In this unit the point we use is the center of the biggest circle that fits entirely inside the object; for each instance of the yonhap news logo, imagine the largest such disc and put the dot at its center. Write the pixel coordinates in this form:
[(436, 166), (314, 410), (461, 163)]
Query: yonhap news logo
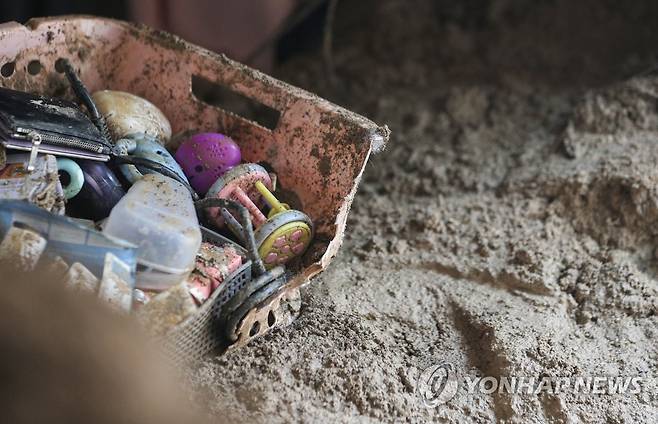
[(439, 383)]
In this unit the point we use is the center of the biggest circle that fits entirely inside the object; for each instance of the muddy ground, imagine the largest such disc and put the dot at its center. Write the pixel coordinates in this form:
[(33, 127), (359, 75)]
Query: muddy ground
[(509, 228)]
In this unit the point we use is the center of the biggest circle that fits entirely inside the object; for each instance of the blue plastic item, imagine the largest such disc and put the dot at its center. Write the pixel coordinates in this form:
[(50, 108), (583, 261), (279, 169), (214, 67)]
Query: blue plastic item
[(146, 147), (71, 241)]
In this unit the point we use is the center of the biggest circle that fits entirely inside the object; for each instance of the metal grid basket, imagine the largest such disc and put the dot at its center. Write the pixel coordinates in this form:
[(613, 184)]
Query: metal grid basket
[(199, 335)]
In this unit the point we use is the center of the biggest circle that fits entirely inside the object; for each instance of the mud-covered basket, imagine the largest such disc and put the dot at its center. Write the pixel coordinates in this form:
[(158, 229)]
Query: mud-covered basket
[(317, 149), (199, 334)]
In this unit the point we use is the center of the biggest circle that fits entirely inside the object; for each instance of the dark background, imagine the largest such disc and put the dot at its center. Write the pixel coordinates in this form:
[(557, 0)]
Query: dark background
[(304, 36), (21, 11)]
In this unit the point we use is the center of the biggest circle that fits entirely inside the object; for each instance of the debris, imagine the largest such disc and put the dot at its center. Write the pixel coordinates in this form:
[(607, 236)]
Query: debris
[(139, 298), (22, 248), (115, 287), (73, 176), (167, 309), (282, 235), (41, 187), (318, 148), (38, 124), (67, 241), (54, 267), (79, 278), (213, 265), (147, 147), (100, 192), (112, 288)]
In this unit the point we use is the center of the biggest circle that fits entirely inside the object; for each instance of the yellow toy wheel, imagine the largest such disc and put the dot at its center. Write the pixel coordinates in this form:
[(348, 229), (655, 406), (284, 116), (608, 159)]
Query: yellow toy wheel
[(283, 237)]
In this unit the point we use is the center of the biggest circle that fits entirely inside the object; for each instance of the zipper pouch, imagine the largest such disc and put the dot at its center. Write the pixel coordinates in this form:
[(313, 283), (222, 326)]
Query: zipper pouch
[(40, 124)]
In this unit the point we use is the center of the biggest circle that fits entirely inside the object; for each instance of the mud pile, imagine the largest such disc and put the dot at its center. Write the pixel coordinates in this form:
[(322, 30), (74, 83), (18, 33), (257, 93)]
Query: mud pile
[(508, 229)]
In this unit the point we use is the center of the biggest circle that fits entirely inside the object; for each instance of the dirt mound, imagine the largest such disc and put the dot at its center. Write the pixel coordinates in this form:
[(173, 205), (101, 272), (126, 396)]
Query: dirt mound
[(508, 228)]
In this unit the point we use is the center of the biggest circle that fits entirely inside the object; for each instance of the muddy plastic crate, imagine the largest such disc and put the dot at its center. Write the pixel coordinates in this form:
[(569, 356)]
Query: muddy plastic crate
[(317, 149)]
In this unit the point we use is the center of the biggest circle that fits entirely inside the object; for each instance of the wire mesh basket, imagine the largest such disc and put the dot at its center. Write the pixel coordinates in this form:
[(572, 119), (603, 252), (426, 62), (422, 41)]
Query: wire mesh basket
[(199, 335)]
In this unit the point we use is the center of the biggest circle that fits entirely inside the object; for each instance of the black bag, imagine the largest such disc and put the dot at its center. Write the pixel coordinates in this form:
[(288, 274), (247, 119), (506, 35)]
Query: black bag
[(40, 124)]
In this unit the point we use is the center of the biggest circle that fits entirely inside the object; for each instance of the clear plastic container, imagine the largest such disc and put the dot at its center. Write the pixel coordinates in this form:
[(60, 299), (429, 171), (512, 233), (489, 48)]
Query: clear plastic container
[(157, 214)]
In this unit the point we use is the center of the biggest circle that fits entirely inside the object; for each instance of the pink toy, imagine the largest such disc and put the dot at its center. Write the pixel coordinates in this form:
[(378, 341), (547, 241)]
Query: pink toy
[(239, 184), (205, 157), (282, 235), (213, 265)]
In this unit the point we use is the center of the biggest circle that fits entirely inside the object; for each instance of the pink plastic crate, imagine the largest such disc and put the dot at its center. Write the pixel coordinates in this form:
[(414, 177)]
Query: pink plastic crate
[(318, 150)]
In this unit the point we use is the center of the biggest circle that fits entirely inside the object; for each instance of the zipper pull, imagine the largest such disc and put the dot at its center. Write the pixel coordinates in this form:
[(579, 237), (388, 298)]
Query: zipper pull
[(35, 137)]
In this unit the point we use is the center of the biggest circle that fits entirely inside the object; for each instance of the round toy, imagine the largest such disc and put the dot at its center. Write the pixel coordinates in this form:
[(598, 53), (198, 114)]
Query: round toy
[(127, 114), (205, 157), (71, 177), (99, 193), (281, 236), (239, 184)]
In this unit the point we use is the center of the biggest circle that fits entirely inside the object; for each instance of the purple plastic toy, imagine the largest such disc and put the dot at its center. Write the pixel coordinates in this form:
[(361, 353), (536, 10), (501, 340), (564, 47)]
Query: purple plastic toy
[(205, 157)]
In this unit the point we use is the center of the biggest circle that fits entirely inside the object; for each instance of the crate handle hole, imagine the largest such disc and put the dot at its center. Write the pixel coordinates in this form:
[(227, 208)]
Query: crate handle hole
[(254, 329), (59, 65), (8, 69), (271, 319), (223, 97), (34, 67)]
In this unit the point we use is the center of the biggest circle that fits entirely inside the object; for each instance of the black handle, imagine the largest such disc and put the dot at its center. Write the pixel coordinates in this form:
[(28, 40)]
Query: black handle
[(84, 96)]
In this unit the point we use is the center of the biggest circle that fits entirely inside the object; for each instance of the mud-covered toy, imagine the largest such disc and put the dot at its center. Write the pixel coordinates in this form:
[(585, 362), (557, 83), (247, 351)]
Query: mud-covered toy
[(127, 114), (283, 234), (207, 156), (145, 146), (91, 188)]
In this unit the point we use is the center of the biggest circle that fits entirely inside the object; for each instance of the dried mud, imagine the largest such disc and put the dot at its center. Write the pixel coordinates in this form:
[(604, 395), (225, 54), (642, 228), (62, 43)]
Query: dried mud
[(509, 228)]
